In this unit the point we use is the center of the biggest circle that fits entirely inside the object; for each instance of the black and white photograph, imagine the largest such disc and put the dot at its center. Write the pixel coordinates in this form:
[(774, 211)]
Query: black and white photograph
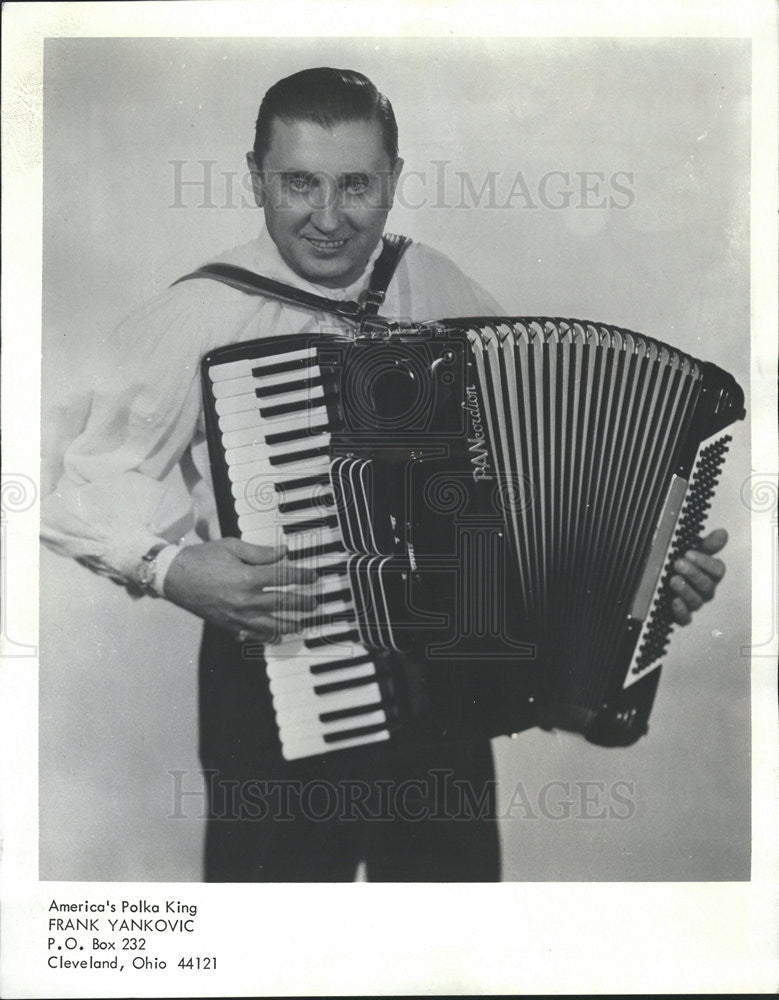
[(405, 478)]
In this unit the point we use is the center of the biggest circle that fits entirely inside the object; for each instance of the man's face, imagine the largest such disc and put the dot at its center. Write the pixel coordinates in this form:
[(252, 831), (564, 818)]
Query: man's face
[(326, 193)]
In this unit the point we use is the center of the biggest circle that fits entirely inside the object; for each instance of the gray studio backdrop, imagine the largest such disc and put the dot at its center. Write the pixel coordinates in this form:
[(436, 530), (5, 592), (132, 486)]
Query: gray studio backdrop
[(602, 179)]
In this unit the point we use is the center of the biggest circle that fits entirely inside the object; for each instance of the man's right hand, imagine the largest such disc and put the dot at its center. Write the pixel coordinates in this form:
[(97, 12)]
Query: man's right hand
[(228, 583)]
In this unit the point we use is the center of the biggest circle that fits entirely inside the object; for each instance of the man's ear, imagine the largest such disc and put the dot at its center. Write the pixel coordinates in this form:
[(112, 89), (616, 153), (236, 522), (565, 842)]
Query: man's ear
[(258, 180)]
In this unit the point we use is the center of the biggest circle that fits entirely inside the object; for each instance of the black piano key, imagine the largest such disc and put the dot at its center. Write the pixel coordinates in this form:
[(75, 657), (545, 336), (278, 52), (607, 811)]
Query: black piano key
[(316, 522), (347, 734), (351, 661), (336, 595), (279, 367), (321, 620), (296, 484), (350, 713), (344, 685), (329, 640), (315, 550), (282, 409), (299, 456), (262, 392), (299, 435), (326, 500), (337, 569)]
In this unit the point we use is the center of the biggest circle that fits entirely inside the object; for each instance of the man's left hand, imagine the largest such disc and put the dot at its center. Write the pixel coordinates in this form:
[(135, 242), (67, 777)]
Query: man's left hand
[(697, 576)]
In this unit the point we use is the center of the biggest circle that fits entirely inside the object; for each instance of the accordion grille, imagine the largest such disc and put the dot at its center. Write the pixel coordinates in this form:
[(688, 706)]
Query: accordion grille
[(586, 423)]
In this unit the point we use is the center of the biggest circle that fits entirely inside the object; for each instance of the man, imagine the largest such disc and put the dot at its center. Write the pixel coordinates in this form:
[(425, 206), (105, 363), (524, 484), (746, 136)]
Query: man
[(324, 167)]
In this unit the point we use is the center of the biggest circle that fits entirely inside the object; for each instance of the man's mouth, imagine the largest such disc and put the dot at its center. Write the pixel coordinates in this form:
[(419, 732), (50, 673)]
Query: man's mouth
[(325, 245)]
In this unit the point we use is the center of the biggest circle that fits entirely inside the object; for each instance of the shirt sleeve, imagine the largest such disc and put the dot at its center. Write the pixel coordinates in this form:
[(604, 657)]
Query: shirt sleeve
[(118, 491)]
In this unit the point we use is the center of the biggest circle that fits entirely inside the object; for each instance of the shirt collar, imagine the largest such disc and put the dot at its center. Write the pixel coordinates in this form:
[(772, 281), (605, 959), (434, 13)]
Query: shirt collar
[(272, 264)]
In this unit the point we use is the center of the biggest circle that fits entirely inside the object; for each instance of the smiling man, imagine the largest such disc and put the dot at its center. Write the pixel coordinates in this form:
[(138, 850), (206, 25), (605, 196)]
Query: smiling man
[(326, 192), (324, 168)]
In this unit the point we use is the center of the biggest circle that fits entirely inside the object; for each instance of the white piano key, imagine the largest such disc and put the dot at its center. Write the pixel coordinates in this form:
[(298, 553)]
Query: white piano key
[(324, 507), (283, 378), (236, 457), (295, 750), (326, 629), (331, 584), (285, 649), (257, 518), (305, 424), (302, 420), (300, 352), (291, 666), (256, 496), (288, 703), (239, 474), (236, 404), (343, 649), (251, 504), (255, 452), (271, 535), (306, 539), (248, 470), (324, 587), (245, 412), (237, 421), (308, 681), (308, 716), (321, 561), (292, 493), (244, 436), (257, 493), (274, 359), (231, 370), (302, 662), (313, 396), (298, 468), (317, 620), (331, 608), (233, 387)]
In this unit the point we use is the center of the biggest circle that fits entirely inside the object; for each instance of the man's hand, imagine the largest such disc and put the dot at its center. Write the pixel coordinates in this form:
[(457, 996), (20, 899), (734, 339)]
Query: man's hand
[(227, 583), (698, 575)]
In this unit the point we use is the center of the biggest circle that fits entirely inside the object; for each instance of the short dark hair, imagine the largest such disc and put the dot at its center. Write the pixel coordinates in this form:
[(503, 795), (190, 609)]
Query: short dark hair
[(325, 96)]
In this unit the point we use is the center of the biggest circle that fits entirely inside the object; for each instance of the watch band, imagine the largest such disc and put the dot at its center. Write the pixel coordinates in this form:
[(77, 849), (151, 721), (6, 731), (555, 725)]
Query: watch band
[(147, 570)]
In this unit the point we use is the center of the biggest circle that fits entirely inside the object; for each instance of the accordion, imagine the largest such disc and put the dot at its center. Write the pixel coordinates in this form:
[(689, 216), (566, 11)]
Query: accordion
[(493, 507)]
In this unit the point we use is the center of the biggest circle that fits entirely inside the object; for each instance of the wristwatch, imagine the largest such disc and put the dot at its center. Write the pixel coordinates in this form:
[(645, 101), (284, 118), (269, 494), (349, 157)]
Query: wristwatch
[(147, 570)]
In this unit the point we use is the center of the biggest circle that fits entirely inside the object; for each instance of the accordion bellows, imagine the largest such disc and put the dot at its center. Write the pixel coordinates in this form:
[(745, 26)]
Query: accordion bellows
[(494, 505)]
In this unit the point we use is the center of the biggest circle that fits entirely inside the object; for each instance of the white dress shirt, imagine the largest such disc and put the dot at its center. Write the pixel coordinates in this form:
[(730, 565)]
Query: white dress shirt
[(121, 490)]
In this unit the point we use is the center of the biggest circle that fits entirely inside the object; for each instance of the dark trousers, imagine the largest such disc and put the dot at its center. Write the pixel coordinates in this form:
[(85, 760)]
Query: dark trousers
[(417, 814)]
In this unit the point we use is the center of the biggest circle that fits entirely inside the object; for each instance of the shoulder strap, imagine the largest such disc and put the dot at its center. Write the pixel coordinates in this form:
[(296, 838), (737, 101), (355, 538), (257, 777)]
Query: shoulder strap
[(257, 284), (389, 258)]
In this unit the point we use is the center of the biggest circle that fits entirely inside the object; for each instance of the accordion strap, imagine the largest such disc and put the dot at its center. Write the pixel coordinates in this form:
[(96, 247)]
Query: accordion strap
[(257, 284), (389, 258)]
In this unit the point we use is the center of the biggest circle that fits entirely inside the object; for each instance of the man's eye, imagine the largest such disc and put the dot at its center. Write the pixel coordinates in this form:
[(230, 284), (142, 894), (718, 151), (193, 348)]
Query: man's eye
[(298, 182), (356, 184)]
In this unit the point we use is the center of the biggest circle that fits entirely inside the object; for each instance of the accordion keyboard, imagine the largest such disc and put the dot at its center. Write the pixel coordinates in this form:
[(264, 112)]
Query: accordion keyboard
[(275, 432)]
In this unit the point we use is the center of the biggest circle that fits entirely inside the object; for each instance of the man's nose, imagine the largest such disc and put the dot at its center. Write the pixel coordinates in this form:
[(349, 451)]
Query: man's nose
[(326, 209)]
